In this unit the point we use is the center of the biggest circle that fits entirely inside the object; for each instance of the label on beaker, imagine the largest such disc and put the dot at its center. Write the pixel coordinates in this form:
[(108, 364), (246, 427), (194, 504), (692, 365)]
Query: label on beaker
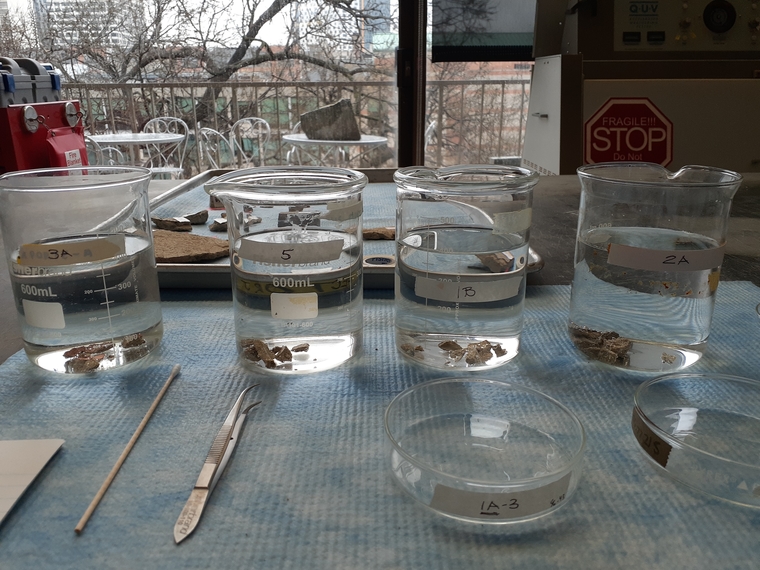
[(67, 253), (512, 222), (654, 446), (499, 506), (43, 315), (290, 253), (342, 211), (467, 291), (664, 260), (294, 305)]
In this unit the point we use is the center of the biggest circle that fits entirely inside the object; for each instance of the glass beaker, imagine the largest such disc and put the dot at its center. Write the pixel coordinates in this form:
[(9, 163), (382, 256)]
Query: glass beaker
[(647, 262), (296, 255), (80, 256), (462, 251)]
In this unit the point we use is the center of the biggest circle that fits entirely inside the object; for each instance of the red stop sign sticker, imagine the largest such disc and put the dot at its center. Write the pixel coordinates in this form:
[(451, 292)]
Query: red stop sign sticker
[(628, 129)]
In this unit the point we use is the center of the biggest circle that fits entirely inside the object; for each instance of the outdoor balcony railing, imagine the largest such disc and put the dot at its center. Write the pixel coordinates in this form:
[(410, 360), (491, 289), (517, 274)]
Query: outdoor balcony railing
[(468, 121)]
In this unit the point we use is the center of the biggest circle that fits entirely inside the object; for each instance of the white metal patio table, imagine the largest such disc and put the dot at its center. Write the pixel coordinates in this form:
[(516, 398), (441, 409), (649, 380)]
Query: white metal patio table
[(135, 140), (336, 150)]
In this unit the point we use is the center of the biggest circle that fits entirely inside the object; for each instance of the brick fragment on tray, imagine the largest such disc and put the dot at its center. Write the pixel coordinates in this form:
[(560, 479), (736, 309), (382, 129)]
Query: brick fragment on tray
[(173, 247), (379, 233)]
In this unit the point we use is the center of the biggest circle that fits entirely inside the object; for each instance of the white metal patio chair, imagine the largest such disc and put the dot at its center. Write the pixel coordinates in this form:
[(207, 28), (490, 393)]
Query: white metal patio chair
[(167, 158), (94, 151), (98, 155), (248, 139), (214, 149), (430, 132), (293, 156), (112, 156)]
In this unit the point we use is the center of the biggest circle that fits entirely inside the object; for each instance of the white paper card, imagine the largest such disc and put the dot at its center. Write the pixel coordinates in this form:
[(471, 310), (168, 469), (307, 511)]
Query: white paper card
[(512, 222), (20, 463), (294, 306), (43, 315), (342, 211)]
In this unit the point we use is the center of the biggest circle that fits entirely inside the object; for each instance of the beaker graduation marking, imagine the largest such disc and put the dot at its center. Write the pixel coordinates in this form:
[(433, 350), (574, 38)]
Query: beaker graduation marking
[(107, 302)]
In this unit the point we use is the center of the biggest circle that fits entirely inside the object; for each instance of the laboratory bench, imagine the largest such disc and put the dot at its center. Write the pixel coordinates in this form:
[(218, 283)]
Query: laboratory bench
[(309, 484)]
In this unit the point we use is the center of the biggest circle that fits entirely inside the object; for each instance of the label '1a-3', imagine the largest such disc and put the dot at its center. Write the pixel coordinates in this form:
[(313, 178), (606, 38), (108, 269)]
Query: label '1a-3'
[(500, 506)]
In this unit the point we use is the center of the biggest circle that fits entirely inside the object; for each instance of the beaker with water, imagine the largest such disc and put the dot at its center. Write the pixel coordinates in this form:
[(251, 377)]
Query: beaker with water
[(648, 255), (296, 257), (462, 252), (80, 256)]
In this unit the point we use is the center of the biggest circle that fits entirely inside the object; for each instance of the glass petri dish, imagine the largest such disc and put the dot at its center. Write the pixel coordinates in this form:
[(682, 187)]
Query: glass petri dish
[(484, 451), (703, 430)]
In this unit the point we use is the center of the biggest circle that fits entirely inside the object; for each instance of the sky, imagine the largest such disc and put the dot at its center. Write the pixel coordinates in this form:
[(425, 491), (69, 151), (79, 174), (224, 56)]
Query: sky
[(274, 33)]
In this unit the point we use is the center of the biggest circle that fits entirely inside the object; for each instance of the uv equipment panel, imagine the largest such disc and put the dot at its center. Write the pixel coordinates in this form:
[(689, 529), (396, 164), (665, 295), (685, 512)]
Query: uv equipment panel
[(669, 82)]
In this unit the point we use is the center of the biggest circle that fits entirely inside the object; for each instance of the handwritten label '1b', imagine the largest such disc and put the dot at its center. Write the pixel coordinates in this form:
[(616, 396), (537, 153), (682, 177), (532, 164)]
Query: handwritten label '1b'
[(467, 291)]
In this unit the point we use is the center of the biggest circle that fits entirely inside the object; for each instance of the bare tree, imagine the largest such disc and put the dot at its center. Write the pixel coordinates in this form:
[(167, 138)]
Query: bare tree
[(17, 38), (148, 41), (472, 120), (134, 40)]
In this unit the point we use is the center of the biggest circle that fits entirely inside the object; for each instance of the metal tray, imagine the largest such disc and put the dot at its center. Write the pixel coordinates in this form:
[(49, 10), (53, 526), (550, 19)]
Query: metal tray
[(189, 197)]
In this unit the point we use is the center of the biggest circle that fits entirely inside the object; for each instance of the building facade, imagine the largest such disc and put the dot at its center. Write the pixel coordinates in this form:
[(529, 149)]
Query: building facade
[(104, 22)]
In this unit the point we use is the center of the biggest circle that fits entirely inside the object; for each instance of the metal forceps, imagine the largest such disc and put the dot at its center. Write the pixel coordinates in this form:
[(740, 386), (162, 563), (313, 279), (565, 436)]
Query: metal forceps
[(217, 459)]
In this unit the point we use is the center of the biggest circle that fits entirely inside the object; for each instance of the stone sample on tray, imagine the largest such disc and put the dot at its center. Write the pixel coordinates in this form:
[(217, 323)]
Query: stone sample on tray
[(172, 247), (332, 123), (173, 224), (197, 218), (218, 225)]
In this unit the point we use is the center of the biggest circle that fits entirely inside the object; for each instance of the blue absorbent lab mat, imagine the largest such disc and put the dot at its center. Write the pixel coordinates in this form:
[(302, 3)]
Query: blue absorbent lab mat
[(309, 486)]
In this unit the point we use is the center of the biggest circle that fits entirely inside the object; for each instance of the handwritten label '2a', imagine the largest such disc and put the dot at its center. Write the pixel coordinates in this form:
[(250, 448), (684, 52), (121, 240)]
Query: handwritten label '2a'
[(665, 260)]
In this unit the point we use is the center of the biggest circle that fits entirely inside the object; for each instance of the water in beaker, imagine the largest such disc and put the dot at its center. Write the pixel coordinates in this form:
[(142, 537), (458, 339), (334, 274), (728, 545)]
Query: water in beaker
[(82, 266), (647, 264), (296, 265), (462, 253)]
